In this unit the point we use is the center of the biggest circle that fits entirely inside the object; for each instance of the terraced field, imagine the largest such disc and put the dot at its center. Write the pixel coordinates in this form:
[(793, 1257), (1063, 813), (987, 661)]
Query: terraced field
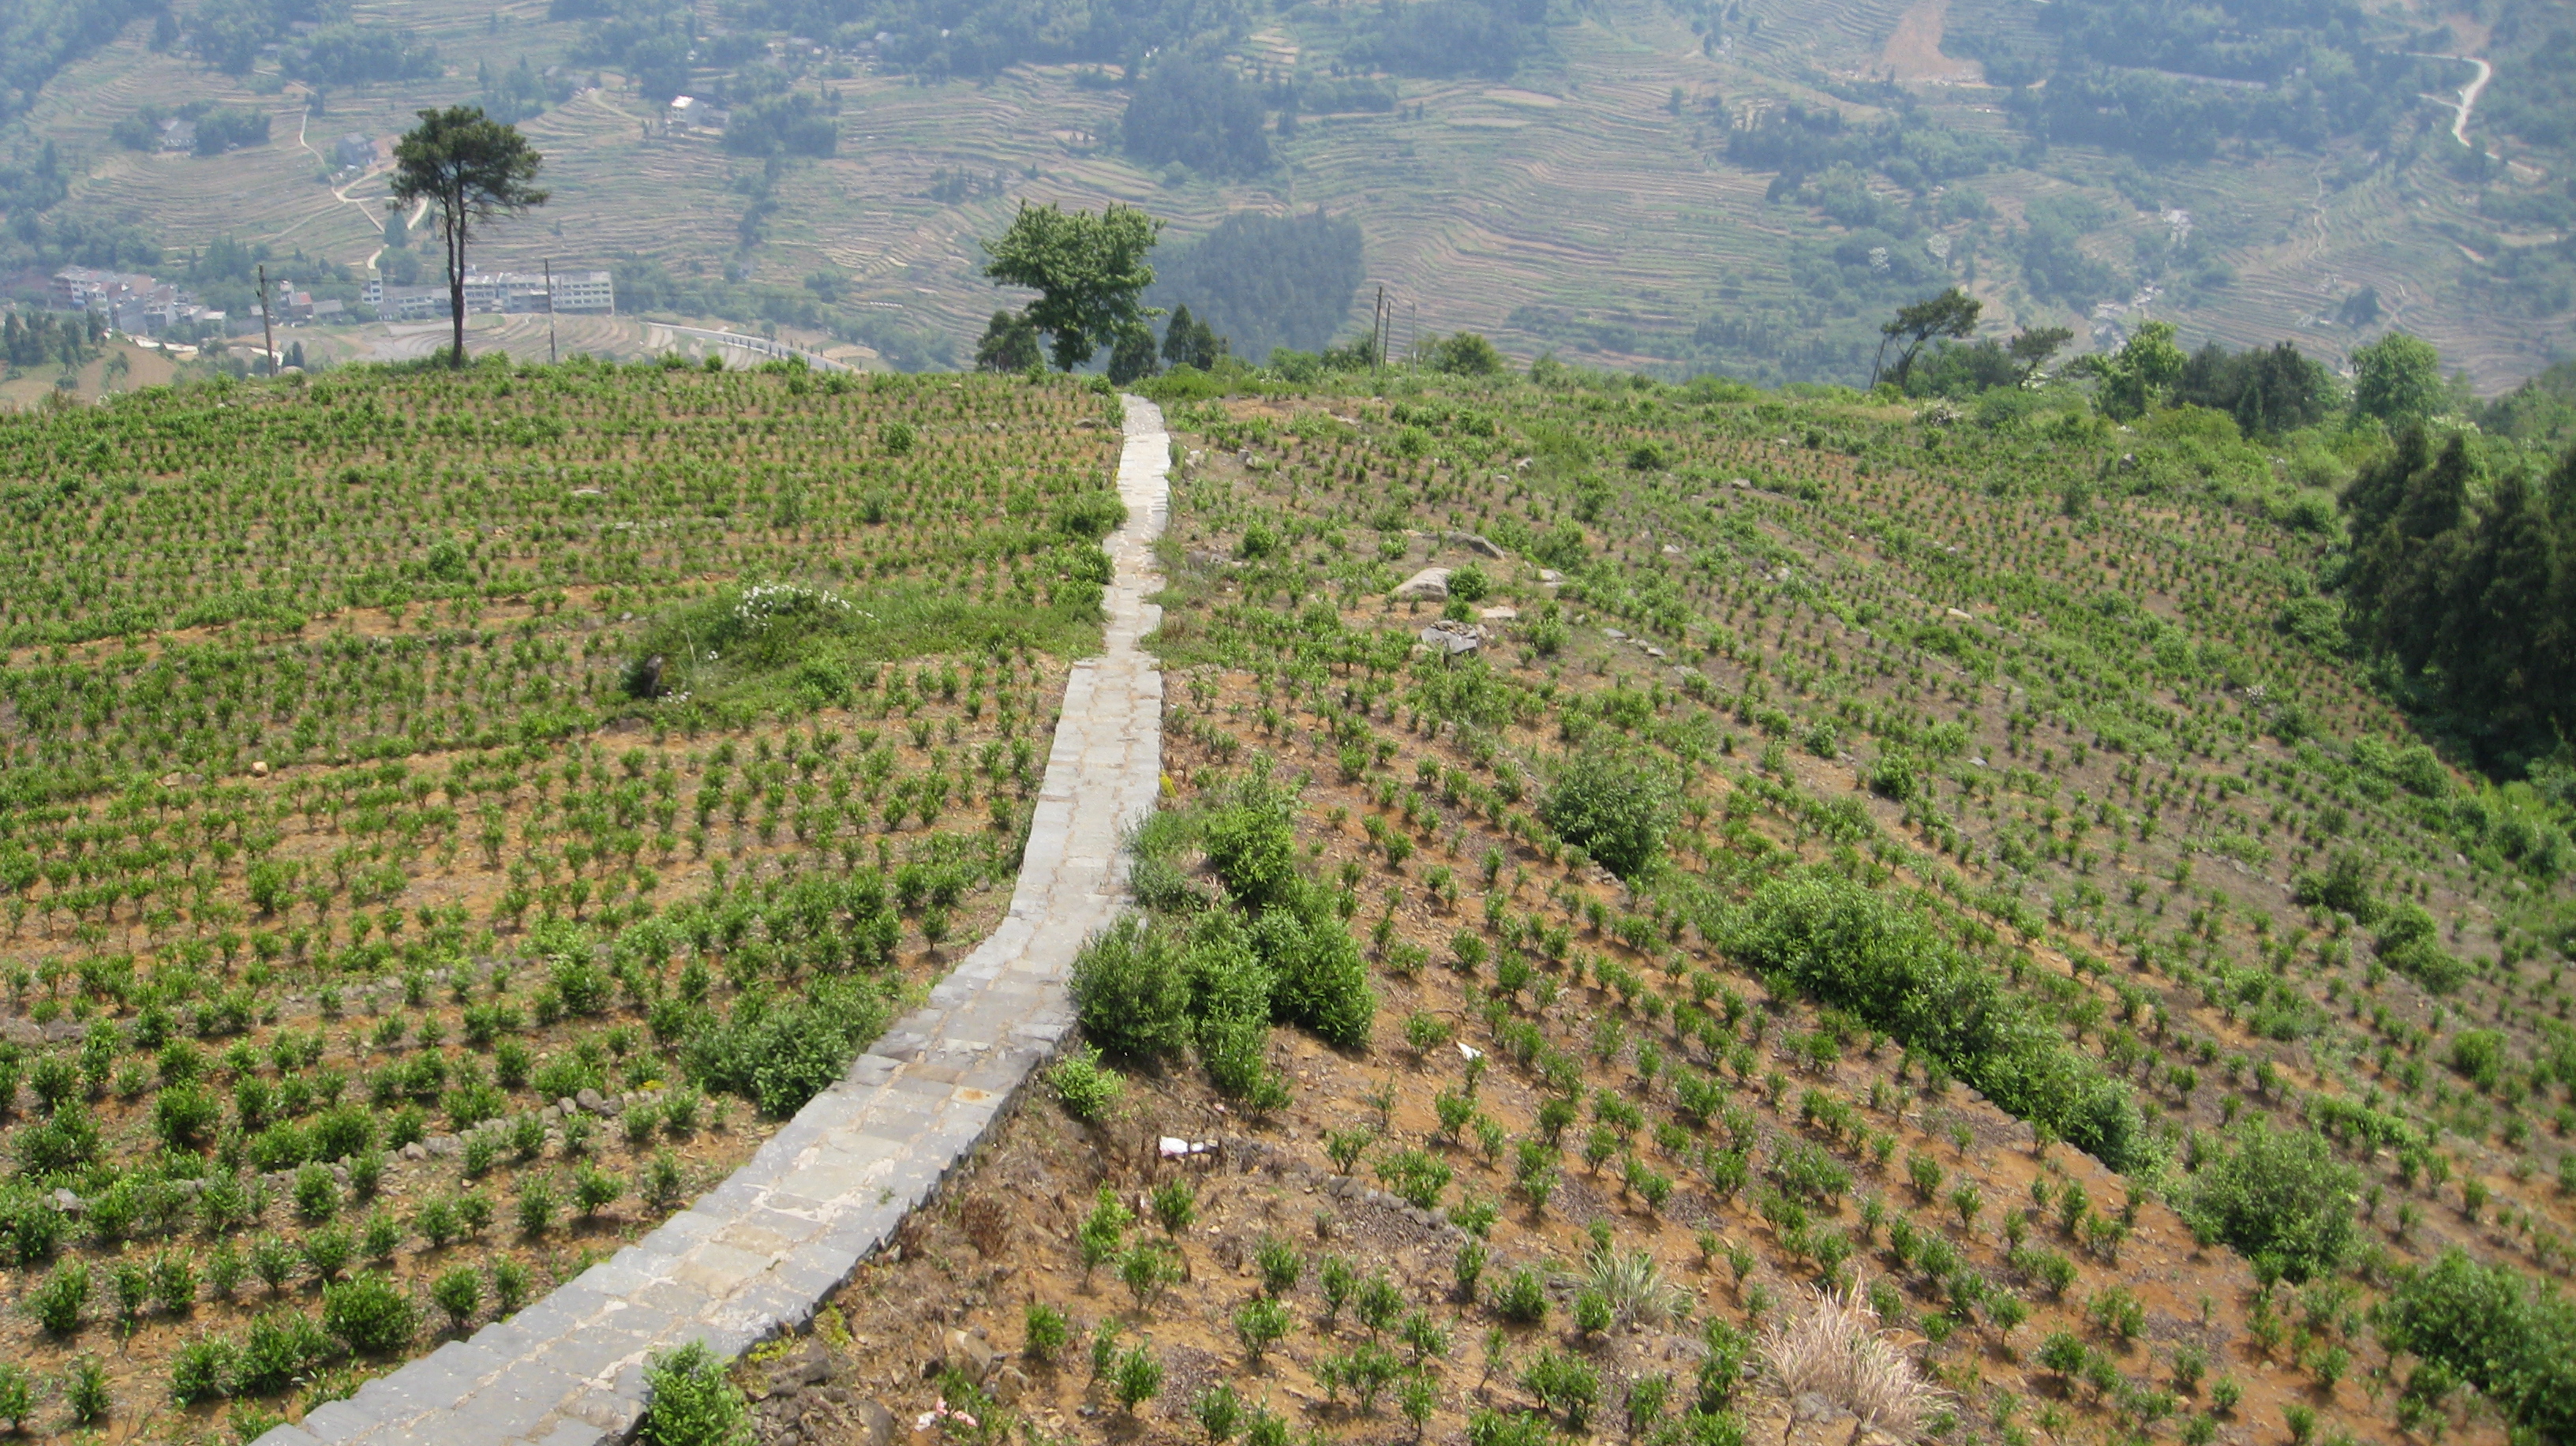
[(1865, 713), (341, 724)]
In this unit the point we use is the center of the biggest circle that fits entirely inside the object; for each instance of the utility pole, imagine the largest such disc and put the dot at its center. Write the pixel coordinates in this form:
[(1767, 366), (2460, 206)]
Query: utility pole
[(550, 311), (1377, 329), (267, 332)]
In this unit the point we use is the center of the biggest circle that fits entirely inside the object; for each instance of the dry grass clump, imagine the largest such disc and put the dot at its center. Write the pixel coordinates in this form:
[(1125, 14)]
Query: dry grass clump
[(1635, 1287), (1836, 1350)]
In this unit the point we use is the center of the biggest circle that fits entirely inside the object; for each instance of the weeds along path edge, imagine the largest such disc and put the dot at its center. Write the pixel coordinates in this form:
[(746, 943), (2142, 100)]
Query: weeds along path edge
[(756, 1254)]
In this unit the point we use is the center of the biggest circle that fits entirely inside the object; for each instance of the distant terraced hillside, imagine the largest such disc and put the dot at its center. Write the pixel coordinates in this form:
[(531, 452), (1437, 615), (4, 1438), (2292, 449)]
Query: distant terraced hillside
[(1589, 205)]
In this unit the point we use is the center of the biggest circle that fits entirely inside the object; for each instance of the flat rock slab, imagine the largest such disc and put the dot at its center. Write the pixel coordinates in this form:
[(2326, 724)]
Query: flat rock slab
[(760, 1251)]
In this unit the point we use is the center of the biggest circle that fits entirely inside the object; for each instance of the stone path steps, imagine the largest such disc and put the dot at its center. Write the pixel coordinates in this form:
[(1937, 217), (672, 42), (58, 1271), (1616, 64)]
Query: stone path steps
[(757, 1254)]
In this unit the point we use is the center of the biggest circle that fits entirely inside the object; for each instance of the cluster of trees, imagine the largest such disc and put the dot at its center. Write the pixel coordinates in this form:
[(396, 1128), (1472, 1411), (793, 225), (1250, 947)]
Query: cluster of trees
[(44, 338), (798, 123), (651, 40), (1197, 113), (1797, 141), (1444, 38), (1289, 278), (229, 34), (220, 128), (1268, 281), (2464, 585), (521, 92), (2175, 82), (359, 54), (39, 37), (944, 37)]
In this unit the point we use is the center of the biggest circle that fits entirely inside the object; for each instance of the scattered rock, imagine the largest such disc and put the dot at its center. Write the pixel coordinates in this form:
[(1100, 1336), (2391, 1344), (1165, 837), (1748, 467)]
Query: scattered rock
[(965, 1353), (1671, 551), (1500, 615), (1452, 638), (1549, 577), (69, 1203), (413, 1151), (874, 1425), (1008, 1385), (589, 1099), (1481, 546), (1431, 583), (259, 768), (810, 1364), (1614, 635)]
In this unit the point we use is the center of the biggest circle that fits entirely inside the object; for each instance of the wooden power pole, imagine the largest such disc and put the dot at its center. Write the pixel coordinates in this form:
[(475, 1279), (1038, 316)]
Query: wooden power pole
[(267, 332), (550, 311)]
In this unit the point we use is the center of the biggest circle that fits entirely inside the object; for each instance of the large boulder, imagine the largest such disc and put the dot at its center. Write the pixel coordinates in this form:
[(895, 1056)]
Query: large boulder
[(1431, 583)]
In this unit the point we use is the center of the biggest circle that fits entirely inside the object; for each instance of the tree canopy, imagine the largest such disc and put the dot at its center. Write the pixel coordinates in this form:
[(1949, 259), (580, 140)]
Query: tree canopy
[(1089, 271), (472, 170), (2472, 601), (1953, 313)]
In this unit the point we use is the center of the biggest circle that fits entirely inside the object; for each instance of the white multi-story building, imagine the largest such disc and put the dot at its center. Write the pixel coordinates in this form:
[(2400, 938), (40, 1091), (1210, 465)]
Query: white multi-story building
[(498, 291)]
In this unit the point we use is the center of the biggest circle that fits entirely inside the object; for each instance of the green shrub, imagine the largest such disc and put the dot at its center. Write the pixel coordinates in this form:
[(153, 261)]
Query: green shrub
[(779, 1051), (1048, 1332), (1416, 1177), (2490, 1327), (2279, 1197), (1090, 516), (281, 1347), (1251, 841), (201, 1370), (17, 1395), (1130, 994), (1847, 946), (369, 1314), (1614, 807), (1522, 1298), (57, 1303), (86, 1391), (1323, 981), (689, 1402), (186, 1116)]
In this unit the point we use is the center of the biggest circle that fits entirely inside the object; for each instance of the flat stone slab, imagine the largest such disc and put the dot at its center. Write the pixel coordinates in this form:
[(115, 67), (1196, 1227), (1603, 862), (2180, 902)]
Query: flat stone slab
[(758, 1253)]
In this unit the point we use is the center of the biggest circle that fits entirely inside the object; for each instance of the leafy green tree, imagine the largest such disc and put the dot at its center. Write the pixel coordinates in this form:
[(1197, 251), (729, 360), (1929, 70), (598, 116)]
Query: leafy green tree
[(2136, 376), (1089, 272), (1465, 354), (1190, 341), (2031, 347), (1197, 113), (2398, 379), (2279, 1196), (1953, 314), (2487, 1325), (1614, 807), (472, 170), (2467, 599), (1131, 356), (1009, 344)]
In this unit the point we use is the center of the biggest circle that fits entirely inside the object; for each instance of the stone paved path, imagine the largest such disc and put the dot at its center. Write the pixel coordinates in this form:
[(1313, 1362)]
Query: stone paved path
[(756, 1255)]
